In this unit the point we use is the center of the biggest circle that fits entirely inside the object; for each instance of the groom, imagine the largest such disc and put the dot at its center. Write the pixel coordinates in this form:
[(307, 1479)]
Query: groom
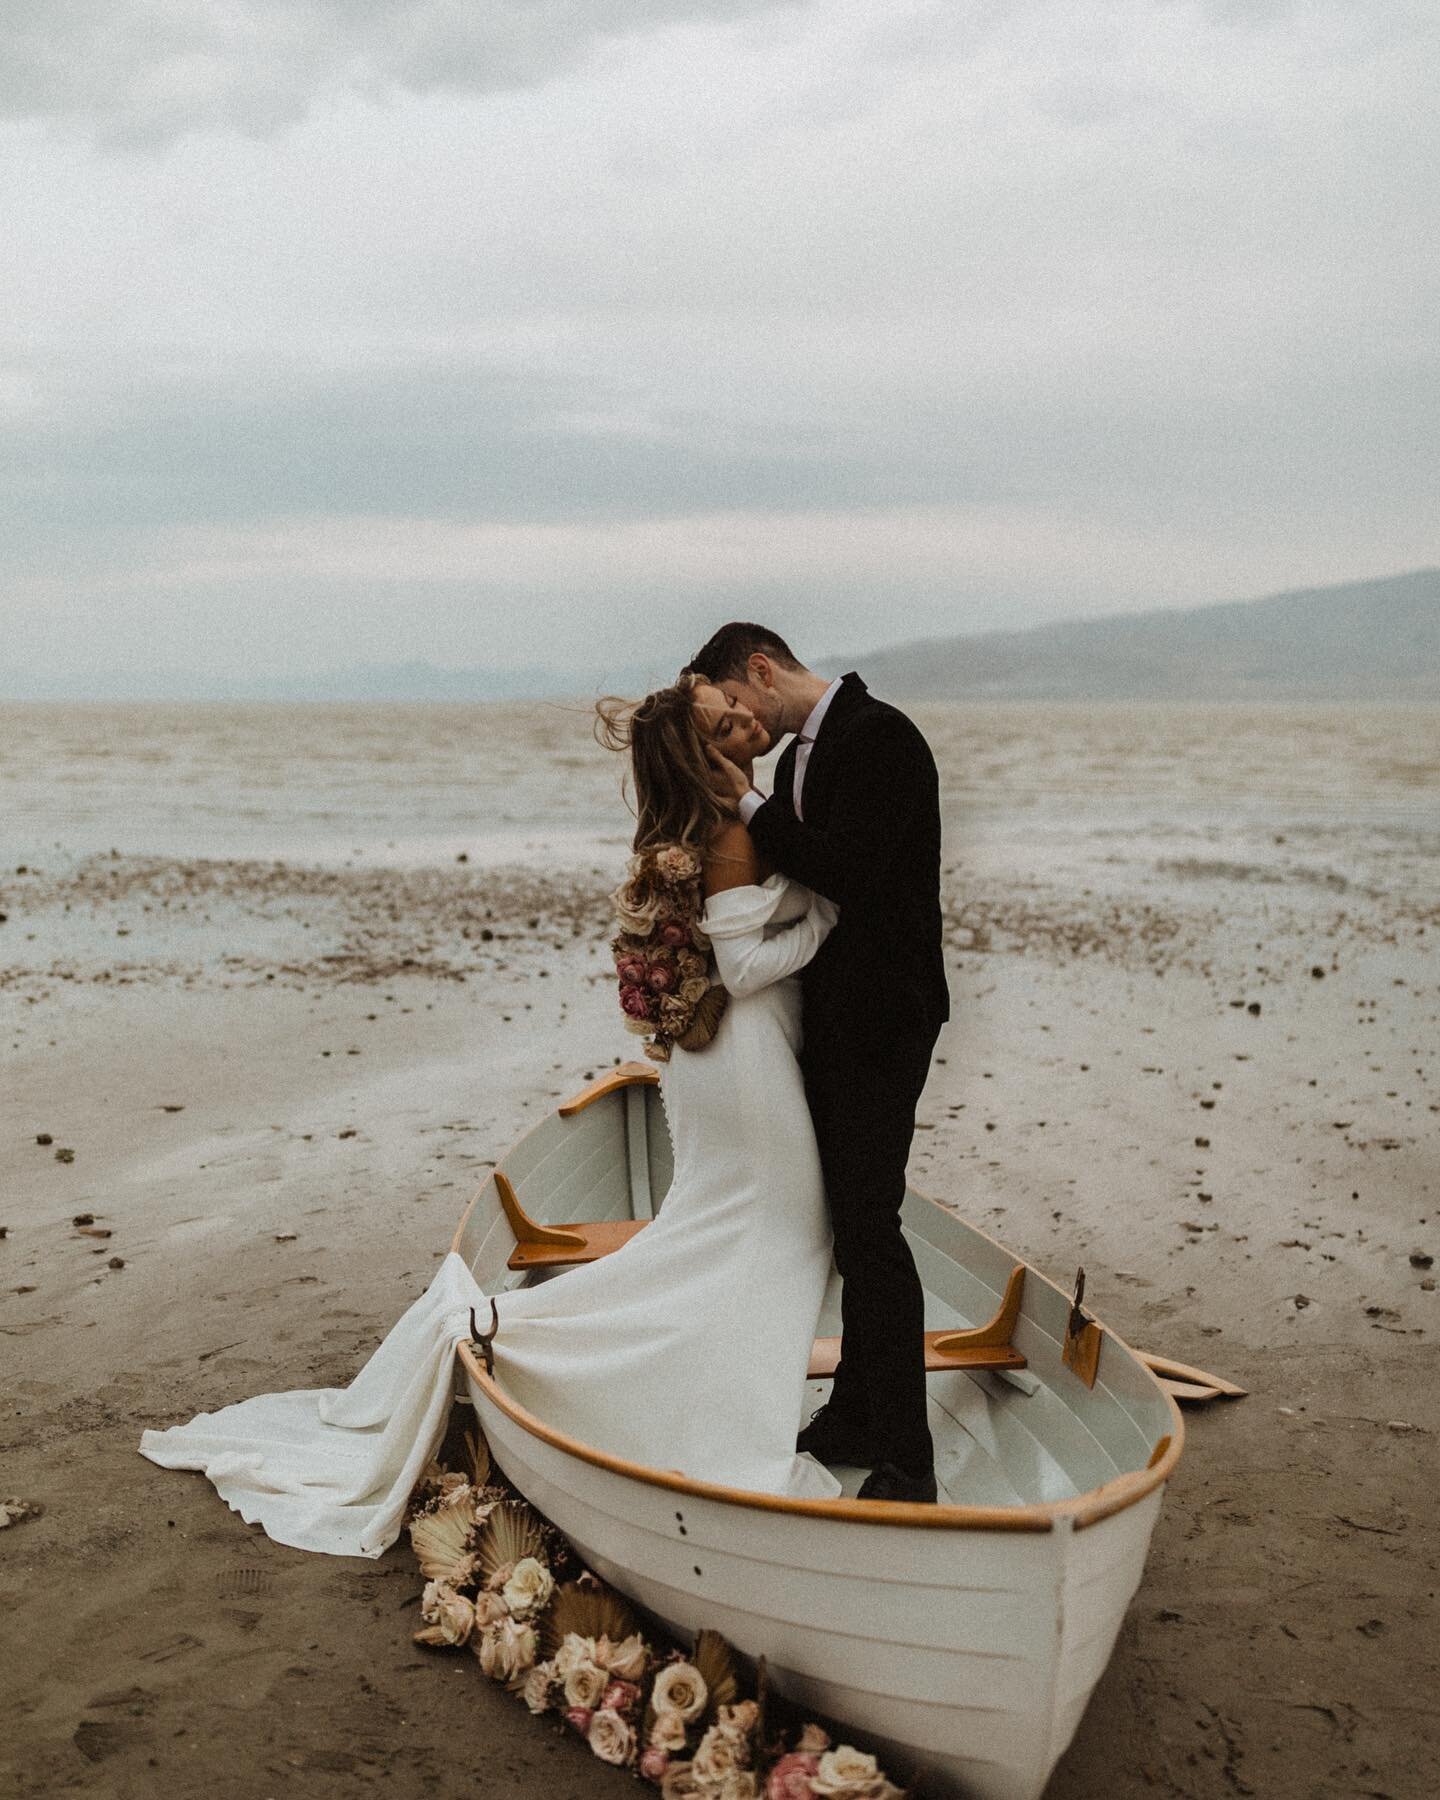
[(856, 816)]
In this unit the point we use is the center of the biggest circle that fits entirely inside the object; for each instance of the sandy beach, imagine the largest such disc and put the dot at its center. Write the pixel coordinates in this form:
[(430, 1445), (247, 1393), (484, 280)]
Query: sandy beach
[(1194, 1048)]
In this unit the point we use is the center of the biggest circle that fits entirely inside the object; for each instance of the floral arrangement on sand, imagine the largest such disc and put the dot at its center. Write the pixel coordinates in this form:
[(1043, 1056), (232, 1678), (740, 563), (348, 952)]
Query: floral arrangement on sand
[(662, 955), (504, 1584)]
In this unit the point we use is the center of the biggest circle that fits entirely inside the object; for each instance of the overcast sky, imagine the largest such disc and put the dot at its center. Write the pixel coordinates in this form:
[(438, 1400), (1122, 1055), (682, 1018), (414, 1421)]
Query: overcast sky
[(341, 331)]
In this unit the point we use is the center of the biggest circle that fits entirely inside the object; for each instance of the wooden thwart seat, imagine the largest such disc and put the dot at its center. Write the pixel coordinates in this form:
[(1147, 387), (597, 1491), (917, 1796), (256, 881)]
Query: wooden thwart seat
[(559, 1246), (986, 1347)]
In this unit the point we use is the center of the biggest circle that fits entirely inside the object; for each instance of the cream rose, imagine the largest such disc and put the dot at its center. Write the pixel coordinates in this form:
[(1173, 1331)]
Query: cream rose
[(736, 1784), (451, 1614), (536, 1691), (744, 1716), (611, 1738), (693, 990), (814, 1741), (627, 1660), (585, 1683), (680, 1782), (668, 1731), (529, 1588), (680, 1688), (490, 1609), (846, 1773), (722, 1749), (574, 1650), (507, 1649)]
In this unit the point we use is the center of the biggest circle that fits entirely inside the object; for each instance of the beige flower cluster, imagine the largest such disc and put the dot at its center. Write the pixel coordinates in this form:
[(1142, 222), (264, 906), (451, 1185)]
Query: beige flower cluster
[(491, 1563)]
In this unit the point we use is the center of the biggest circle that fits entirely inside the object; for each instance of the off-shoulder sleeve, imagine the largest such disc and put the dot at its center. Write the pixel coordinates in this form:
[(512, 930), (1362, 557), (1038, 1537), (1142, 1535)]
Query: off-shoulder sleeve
[(745, 958)]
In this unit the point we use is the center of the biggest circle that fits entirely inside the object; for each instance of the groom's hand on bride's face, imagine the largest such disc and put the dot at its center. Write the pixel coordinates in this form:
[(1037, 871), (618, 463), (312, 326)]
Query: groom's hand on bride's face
[(730, 783)]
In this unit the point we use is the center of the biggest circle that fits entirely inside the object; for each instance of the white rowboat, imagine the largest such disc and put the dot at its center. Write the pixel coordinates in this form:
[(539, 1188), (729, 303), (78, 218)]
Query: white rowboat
[(962, 1639)]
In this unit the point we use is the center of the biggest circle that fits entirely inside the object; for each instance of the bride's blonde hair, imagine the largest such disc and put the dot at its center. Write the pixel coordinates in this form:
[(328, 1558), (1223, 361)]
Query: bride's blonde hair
[(674, 801)]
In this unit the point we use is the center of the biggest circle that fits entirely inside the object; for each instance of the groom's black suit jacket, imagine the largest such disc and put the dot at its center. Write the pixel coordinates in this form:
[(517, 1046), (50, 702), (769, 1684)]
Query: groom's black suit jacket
[(869, 841)]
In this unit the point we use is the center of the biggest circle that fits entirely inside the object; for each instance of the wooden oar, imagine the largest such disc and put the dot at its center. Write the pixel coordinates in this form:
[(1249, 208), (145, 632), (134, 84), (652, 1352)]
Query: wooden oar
[(1187, 1383)]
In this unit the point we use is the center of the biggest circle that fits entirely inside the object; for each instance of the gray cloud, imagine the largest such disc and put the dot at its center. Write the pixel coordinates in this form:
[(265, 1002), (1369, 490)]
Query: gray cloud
[(134, 72), (1017, 309)]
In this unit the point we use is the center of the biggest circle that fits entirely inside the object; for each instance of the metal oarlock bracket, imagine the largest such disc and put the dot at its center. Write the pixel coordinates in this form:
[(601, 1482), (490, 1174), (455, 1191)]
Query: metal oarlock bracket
[(485, 1341), (1081, 1351)]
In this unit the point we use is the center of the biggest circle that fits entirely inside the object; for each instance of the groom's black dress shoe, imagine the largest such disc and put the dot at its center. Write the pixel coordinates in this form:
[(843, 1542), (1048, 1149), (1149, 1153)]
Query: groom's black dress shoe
[(829, 1438), (889, 1482)]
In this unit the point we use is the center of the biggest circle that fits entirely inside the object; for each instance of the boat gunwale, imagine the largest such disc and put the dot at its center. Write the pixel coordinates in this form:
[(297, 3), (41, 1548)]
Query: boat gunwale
[(1081, 1510)]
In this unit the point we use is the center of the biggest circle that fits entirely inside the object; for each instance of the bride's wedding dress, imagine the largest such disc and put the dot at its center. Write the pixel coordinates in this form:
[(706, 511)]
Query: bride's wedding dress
[(687, 1349)]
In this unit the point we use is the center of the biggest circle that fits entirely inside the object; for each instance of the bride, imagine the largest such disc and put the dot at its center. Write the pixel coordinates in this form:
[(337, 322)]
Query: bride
[(686, 1349)]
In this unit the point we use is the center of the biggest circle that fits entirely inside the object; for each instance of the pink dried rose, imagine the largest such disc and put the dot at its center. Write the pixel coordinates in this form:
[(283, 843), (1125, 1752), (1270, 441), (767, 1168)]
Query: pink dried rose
[(673, 933), (579, 1717), (620, 1696), (631, 970), (676, 863), (790, 1778), (661, 977), (654, 1763), (635, 1003)]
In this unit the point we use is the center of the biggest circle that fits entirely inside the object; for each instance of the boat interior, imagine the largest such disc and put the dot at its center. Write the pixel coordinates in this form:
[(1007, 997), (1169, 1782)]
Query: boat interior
[(1031, 1401)]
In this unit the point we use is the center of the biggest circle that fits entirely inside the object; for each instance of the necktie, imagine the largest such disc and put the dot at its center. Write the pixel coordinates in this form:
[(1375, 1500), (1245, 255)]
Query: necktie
[(802, 759)]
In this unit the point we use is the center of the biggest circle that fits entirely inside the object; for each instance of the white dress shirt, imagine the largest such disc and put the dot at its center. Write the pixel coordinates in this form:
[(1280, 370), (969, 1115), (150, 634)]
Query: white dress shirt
[(809, 731)]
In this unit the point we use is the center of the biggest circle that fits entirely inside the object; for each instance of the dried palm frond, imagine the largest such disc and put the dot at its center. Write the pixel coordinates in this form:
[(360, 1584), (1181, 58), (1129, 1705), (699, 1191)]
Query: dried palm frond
[(444, 1543), (510, 1533), (588, 1610), (480, 1466), (716, 1660)]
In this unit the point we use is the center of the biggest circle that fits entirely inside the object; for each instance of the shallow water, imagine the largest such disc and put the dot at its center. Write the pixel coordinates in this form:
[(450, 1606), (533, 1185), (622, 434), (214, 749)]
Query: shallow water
[(404, 784)]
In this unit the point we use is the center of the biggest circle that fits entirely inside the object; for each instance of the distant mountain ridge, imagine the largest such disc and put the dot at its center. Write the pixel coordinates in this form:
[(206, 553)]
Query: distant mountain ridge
[(1363, 640)]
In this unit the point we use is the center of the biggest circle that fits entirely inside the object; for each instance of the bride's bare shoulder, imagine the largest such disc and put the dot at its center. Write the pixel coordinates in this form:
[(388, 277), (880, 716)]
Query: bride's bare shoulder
[(730, 859)]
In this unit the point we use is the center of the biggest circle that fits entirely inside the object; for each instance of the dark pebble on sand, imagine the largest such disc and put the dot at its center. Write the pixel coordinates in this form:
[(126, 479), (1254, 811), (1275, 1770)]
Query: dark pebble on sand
[(462, 857), (1301, 1301), (44, 1137), (1421, 1259), (83, 1219), (487, 936), (65, 1156), (1202, 1143), (116, 1262), (1253, 1009), (1318, 973)]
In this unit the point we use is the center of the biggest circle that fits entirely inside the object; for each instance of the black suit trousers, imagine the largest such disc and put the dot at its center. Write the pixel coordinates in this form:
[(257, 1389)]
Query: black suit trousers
[(864, 1114)]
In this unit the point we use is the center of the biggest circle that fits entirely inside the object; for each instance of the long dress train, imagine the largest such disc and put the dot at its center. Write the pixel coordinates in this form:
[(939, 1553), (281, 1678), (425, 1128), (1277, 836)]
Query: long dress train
[(687, 1349)]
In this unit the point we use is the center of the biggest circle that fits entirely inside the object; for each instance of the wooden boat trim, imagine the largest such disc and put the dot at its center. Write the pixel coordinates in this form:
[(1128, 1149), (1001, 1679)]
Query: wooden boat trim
[(1084, 1509), (864, 1512), (623, 1075)]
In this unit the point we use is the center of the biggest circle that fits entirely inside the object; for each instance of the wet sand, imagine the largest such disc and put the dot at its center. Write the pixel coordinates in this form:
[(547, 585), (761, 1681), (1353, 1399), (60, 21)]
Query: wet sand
[(1206, 1070)]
